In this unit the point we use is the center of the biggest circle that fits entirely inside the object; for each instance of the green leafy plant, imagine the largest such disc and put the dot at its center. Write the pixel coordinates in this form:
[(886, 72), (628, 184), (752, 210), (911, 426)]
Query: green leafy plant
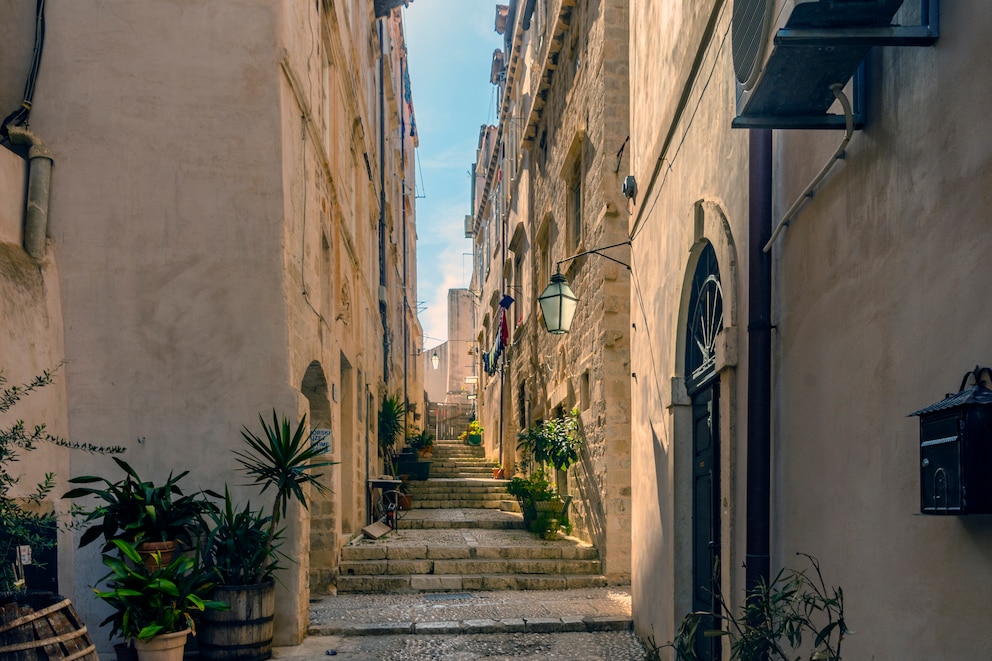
[(555, 441), (138, 510), (419, 440), (284, 460), (238, 546), (148, 603), (795, 616), (23, 520), (392, 421), (533, 487)]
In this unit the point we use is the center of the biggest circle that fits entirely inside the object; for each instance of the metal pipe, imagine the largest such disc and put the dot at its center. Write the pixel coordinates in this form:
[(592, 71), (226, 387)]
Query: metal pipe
[(759, 360), (39, 189), (838, 154)]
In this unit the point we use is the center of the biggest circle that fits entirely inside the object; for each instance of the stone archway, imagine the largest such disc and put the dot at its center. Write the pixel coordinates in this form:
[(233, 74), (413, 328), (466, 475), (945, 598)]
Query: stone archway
[(324, 523), (704, 410)]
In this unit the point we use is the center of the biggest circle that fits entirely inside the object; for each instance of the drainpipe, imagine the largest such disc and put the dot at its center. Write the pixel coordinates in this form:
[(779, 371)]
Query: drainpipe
[(382, 205), (759, 358), (39, 189)]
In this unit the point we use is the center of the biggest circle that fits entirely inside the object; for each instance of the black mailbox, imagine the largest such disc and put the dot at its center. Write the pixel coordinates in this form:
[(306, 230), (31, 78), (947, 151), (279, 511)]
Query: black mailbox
[(956, 450)]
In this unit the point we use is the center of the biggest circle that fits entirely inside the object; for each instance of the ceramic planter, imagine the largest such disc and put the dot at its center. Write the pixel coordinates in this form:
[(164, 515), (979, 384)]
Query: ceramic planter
[(164, 647)]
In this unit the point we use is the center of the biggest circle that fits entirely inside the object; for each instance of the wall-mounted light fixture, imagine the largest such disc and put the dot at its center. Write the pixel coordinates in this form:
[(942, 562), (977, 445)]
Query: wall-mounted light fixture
[(558, 301)]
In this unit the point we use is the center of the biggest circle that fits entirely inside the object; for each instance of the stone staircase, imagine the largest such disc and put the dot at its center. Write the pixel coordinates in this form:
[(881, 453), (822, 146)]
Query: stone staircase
[(454, 459), (463, 535)]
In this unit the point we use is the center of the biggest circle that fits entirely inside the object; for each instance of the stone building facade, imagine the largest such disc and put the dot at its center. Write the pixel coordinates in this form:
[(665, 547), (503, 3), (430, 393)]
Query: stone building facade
[(548, 194), (231, 230), (797, 410)]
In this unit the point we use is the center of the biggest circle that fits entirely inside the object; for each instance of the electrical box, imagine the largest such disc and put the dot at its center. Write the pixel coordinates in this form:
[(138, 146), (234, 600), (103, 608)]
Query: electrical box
[(956, 451)]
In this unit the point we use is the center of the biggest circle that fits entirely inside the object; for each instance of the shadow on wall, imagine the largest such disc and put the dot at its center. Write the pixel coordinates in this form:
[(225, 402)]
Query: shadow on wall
[(593, 512)]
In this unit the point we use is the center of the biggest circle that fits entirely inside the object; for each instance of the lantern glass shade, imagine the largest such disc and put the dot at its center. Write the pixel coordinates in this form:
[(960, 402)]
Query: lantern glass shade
[(435, 360), (558, 304)]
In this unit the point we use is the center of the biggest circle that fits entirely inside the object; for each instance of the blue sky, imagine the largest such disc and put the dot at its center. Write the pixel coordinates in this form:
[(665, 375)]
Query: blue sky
[(450, 45)]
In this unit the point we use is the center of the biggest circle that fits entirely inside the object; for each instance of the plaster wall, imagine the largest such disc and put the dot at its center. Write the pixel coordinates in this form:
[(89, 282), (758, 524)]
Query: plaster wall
[(186, 209), (30, 343), (691, 174), (879, 284), (874, 316)]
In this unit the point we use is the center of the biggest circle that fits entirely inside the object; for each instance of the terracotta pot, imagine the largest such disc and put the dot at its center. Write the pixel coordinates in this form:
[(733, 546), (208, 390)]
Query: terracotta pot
[(499, 474), (164, 647), (156, 554)]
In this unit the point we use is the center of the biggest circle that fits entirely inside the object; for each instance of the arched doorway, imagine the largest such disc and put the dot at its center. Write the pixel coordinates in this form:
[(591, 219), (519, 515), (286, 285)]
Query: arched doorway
[(703, 324), (322, 510)]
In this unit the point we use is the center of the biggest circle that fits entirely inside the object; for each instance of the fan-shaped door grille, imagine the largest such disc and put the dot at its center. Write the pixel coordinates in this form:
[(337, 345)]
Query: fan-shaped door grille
[(750, 32)]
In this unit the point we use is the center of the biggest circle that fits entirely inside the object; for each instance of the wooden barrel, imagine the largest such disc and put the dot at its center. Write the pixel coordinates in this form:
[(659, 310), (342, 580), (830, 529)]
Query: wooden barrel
[(243, 633), (42, 627)]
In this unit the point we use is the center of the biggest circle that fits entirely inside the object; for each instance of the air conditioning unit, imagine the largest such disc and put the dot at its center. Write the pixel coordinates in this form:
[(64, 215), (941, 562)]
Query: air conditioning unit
[(788, 53)]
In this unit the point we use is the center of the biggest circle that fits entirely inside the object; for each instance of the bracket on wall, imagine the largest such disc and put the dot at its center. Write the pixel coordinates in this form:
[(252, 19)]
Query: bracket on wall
[(822, 44)]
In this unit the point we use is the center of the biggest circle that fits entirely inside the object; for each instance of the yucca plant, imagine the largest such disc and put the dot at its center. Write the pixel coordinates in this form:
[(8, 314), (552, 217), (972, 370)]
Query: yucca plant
[(392, 422), (238, 545), (284, 460)]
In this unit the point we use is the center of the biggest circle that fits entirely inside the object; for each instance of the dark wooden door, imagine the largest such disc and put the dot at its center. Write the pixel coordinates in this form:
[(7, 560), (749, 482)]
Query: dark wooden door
[(705, 513)]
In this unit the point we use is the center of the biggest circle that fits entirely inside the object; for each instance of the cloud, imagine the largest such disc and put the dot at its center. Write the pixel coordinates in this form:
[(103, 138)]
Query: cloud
[(450, 45)]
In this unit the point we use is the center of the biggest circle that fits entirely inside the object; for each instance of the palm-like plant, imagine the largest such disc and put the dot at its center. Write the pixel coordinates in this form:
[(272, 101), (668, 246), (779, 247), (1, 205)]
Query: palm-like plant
[(391, 421), (283, 460), (238, 545)]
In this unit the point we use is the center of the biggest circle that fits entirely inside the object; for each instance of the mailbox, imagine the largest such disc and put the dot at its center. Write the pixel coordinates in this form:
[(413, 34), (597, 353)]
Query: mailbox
[(956, 450)]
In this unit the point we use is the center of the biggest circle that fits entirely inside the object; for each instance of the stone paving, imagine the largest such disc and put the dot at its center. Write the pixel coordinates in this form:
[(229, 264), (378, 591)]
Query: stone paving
[(575, 625), (591, 622), (605, 646)]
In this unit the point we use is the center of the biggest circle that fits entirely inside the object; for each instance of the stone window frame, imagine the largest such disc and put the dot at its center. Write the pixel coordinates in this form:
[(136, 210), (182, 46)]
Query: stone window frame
[(572, 173)]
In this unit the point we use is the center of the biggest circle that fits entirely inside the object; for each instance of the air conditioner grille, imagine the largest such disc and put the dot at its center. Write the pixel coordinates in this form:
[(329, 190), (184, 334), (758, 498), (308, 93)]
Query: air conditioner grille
[(751, 18)]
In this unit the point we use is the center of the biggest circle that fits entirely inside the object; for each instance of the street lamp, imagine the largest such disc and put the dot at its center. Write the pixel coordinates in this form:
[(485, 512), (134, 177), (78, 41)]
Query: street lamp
[(558, 303), (435, 360)]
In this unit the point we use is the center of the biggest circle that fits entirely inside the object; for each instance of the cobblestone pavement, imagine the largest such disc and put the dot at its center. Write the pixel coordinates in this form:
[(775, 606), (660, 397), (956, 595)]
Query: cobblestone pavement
[(576, 625), (599, 646), (330, 615)]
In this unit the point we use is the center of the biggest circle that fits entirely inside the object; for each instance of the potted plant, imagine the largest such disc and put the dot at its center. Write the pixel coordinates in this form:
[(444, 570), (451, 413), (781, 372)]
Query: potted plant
[(555, 441), (473, 435), (529, 490), (498, 472), (155, 608), (154, 518), (391, 421), (422, 442), (242, 545)]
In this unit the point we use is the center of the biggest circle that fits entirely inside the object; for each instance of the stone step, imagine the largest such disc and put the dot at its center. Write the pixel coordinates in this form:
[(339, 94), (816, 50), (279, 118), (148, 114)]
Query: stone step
[(559, 550), (481, 469), (458, 582), (453, 487), (464, 520), (480, 502), (469, 566)]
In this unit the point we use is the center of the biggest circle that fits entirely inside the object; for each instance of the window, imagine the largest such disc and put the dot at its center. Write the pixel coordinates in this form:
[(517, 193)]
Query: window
[(575, 205)]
